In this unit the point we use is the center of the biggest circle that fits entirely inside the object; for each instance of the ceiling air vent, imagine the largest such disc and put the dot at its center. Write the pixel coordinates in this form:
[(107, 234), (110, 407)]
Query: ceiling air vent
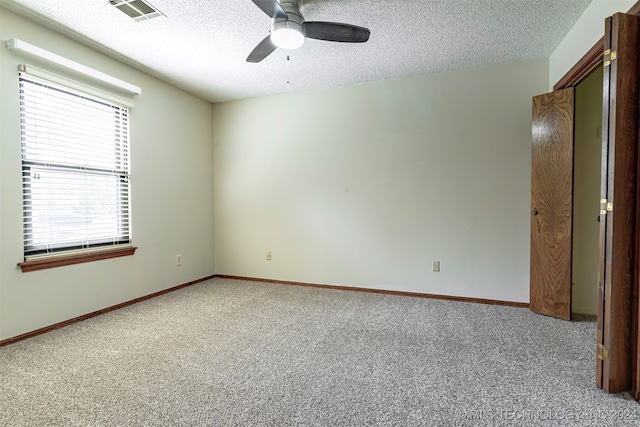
[(137, 9)]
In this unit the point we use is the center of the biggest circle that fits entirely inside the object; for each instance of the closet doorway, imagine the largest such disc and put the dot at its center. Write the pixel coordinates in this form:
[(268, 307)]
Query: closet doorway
[(565, 195), (587, 165), (553, 193)]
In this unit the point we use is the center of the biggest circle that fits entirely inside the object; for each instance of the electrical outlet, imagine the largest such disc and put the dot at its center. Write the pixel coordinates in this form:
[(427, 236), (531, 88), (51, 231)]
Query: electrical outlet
[(435, 266), (179, 260), (268, 255)]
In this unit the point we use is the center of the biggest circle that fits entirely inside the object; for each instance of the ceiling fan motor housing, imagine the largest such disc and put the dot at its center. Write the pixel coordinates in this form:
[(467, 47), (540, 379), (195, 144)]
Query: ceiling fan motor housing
[(295, 21)]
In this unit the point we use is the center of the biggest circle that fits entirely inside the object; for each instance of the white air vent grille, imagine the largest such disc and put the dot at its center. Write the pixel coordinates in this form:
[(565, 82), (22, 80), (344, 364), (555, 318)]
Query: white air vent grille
[(137, 9)]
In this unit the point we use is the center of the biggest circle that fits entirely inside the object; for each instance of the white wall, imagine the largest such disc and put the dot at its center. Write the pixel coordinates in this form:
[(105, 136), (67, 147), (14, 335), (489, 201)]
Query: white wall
[(366, 185), (586, 193), (584, 34), (172, 168)]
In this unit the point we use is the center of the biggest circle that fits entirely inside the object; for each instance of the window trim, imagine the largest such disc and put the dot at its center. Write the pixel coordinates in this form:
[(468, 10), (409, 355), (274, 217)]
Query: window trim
[(78, 258), (75, 255)]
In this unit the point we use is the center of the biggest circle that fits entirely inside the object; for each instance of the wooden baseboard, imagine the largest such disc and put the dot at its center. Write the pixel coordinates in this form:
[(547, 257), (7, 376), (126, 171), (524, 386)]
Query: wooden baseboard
[(382, 291), (253, 279), (97, 313)]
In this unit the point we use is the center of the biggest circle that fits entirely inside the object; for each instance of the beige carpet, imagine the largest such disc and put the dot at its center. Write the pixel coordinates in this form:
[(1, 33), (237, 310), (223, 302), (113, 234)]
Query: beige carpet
[(234, 353)]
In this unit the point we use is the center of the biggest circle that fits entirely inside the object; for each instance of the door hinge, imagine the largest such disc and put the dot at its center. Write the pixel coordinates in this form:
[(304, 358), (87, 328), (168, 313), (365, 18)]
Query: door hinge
[(602, 353), (609, 56), (603, 206)]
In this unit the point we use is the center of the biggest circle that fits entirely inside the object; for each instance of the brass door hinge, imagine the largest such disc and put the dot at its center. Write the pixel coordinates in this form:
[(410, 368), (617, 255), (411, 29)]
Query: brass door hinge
[(602, 353), (609, 56)]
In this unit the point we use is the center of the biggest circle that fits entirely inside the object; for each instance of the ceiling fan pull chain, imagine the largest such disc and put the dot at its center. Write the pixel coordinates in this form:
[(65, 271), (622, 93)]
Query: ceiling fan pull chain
[(288, 80)]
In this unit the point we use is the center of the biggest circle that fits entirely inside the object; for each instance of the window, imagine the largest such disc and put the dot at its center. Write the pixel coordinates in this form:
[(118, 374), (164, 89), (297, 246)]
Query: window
[(75, 168)]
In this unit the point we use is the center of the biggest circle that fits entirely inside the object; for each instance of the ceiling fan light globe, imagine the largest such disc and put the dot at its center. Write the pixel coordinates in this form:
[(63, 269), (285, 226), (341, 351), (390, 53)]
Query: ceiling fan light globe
[(287, 38)]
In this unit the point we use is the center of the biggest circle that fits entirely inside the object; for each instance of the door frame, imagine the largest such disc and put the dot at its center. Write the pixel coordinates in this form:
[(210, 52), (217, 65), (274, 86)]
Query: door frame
[(589, 62)]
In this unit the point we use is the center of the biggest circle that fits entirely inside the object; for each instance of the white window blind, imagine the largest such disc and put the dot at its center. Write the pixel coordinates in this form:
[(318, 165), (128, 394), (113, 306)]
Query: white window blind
[(75, 168)]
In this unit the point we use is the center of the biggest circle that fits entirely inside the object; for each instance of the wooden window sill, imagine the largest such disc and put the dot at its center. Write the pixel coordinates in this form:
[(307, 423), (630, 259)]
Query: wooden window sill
[(75, 259)]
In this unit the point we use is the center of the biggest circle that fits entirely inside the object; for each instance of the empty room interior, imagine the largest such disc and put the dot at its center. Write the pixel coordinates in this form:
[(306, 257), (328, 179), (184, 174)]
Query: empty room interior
[(333, 234)]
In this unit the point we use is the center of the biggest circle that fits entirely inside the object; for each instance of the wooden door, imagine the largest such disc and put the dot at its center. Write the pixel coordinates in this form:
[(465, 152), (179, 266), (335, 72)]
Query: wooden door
[(618, 203), (552, 203)]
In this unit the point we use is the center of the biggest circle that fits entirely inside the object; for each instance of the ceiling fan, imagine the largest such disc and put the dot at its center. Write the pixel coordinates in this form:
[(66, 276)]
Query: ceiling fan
[(288, 29)]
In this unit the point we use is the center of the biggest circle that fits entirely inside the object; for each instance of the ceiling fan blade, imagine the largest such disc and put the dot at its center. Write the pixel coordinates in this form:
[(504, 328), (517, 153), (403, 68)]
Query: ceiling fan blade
[(336, 32), (264, 49), (271, 8)]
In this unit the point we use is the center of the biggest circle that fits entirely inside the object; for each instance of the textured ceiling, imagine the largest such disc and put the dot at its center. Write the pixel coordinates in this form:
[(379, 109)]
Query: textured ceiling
[(201, 45)]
